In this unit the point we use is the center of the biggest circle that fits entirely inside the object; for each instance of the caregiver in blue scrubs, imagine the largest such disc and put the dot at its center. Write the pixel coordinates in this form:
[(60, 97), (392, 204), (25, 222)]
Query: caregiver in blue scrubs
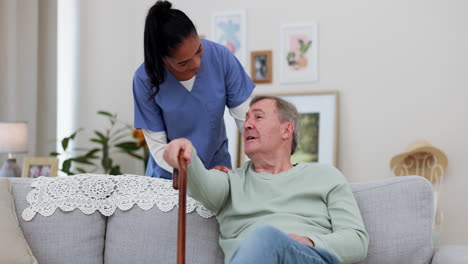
[(182, 88)]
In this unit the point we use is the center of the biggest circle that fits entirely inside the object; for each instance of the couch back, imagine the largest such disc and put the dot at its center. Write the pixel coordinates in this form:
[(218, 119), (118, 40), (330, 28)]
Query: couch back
[(397, 213)]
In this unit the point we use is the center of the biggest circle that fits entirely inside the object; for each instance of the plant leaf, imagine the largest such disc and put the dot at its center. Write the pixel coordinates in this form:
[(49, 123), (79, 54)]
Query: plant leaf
[(105, 113), (66, 166), (100, 135), (134, 155), (306, 47), (301, 43), (55, 154), (129, 145), (65, 143), (74, 134), (115, 170), (120, 133), (91, 153), (81, 170), (117, 138), (97, 141)]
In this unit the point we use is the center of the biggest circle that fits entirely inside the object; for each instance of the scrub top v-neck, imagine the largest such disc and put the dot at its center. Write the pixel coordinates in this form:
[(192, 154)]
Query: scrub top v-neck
[(197, 114)]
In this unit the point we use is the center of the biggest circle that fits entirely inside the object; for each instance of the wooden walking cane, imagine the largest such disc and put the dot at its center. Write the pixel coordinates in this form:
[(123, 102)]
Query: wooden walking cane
[(180, 183)]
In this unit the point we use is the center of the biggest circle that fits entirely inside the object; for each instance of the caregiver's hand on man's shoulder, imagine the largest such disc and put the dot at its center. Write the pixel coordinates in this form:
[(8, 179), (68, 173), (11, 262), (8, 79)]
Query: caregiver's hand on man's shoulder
[(222, 168), (171, 152)]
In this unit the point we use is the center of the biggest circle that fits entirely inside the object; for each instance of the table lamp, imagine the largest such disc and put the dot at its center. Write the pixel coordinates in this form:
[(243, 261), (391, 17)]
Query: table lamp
[(13, 139)]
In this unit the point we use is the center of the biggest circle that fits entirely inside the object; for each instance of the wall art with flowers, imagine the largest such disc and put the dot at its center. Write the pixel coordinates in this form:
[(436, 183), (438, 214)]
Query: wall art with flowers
[(299, 53)]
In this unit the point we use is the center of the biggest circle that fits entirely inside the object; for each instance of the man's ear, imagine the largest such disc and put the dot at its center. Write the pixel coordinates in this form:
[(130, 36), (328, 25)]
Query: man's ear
[(287, 130)]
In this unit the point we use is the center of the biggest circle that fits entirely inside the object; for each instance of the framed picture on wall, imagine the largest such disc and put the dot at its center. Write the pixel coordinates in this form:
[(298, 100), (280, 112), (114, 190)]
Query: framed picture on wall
[(299, 53), (318, 140), (261, 67), (40, 166), (229, 29)]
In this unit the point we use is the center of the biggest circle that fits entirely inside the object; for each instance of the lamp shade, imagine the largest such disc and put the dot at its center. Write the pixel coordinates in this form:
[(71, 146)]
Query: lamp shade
[(13, 137)]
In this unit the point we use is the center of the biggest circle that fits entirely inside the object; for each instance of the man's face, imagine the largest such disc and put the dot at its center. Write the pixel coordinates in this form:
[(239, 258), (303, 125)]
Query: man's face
[(263, 131)]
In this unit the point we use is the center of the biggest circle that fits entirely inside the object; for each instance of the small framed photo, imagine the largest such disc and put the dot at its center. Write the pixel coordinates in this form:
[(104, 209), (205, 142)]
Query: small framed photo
[(318, 139), (261, 66), (229, 29), (40, 166), (299, 53)]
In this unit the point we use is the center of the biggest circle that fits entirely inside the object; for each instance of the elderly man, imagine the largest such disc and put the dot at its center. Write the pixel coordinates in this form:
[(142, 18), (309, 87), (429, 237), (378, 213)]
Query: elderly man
[(269, 210)]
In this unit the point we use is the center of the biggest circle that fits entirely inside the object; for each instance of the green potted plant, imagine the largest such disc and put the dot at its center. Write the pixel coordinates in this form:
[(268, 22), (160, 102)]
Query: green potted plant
[(112, 139)]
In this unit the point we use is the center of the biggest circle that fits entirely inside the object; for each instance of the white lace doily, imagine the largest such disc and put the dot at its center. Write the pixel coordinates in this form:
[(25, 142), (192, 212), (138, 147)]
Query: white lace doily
[(104, 193)]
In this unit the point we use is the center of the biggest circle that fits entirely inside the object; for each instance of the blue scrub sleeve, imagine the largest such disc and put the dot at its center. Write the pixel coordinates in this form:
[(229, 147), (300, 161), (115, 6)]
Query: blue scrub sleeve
[(239, 86), (147, 114)]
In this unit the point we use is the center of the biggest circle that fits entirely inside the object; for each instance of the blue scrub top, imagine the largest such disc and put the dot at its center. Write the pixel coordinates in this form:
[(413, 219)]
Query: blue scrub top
[(198, 114)]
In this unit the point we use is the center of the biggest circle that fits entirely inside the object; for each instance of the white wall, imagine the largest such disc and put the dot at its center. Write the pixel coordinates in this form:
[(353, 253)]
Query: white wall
[(19, 64), (109, 53), (47, 78), (27, 70), (400, 67)]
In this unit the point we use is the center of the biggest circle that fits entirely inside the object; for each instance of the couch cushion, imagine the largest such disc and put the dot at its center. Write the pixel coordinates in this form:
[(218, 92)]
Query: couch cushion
[(453, 254), (13, 247), (397, 213), (64, 237), (138, 236)]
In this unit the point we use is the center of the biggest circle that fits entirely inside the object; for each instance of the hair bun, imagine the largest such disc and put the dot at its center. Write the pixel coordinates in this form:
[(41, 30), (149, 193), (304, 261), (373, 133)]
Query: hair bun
[(162, 6)]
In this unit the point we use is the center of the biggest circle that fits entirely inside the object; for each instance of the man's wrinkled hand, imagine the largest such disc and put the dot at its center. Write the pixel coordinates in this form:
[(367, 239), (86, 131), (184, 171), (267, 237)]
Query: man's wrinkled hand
[(171, 152), (303, 240)]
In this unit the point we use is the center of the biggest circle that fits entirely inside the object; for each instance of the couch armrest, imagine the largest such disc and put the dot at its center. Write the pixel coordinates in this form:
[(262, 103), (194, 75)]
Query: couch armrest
[(450, 254)]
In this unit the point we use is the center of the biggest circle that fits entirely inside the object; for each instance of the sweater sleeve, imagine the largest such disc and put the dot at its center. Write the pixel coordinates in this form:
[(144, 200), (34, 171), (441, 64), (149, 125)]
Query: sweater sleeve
[(349, 240), (209, 187)]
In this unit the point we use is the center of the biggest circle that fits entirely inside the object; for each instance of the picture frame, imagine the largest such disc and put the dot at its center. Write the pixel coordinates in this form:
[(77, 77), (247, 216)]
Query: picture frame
[(318, 140), (261, 66), (299, 52), (34, 167), (229, 29)]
